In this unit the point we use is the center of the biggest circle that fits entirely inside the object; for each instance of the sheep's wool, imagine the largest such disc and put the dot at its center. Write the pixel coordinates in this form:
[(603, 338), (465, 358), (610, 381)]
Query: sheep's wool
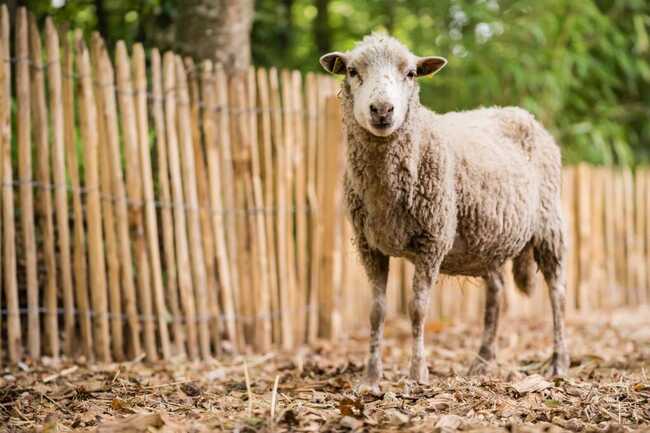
[(458, 193)]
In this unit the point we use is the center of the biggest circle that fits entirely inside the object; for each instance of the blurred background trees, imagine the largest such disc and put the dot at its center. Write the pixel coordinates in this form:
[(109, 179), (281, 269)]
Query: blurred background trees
[(582, 66)]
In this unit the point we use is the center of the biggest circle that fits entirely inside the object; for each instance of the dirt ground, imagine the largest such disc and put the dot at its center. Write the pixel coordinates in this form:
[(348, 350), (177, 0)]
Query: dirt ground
[(607, 389)]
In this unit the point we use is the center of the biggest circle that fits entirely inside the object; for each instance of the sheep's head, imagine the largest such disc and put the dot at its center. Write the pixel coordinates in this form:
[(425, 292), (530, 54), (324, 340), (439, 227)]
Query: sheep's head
[(380, 76)]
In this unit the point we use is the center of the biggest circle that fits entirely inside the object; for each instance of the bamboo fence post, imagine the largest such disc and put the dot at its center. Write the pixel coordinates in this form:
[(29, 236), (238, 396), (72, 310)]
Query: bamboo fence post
[(344, 302), (44, 208), (114, 161), (151, 223), (321, 185), (191, 197), (204, 206), (597, 237), (166, 216), (258, 221), (60, 189), (280, 203), (112, 261), (228, 185), (14, 338), (25, 180), (619, 220), (583, 236), (215, 199), (88, 124), (79, 251), (300, 161), (620, 237), (288, 175), (640, 225), (338, 197), (240, 163), (568, 199), (269, 202), (610, 238), (630, 244), (135, 195), (180, 226), (313, 118), (394, 274), (646, 234), (333, 138), (407, 281)]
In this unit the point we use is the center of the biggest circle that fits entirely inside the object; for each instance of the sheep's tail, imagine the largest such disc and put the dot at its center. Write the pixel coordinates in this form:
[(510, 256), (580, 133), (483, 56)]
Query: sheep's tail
[(524, 269)]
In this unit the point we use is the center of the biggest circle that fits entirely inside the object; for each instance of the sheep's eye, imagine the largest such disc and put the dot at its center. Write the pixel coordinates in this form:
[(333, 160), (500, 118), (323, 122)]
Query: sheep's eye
[(410, 74), (352, 73)]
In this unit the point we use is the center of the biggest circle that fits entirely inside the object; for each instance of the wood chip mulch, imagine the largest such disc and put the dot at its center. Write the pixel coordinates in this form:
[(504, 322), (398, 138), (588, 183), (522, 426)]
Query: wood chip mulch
[(607, 389)]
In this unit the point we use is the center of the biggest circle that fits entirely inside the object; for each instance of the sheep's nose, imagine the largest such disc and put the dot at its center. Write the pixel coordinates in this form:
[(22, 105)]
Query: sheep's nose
[(381, 109)]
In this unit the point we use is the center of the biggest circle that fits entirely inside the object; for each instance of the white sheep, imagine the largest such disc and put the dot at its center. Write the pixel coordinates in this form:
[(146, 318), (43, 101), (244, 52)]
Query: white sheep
[(458, 193)]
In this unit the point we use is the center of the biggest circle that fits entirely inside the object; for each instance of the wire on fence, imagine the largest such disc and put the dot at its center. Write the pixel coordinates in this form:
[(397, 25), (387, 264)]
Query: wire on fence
[(223, 318), (159, 204)]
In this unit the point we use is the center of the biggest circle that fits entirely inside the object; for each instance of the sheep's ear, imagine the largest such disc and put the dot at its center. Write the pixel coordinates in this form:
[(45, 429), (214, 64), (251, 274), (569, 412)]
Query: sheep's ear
[(430, 65), (334, 62)]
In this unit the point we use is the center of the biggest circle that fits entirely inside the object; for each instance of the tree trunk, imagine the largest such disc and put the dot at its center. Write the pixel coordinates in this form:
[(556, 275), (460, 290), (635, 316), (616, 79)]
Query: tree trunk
[(218, 30), (322, 31)]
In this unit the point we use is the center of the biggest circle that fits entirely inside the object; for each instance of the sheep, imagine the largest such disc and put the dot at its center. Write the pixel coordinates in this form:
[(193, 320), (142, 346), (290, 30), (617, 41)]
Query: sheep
[(458, 193)]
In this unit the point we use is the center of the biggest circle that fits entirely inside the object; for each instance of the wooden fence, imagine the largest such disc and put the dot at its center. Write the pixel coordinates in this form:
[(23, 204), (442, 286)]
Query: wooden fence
[(154, 206)]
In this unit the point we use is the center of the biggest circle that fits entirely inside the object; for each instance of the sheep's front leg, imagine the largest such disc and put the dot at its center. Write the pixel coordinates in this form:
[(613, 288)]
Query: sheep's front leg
[(376, 265), (425, 276)]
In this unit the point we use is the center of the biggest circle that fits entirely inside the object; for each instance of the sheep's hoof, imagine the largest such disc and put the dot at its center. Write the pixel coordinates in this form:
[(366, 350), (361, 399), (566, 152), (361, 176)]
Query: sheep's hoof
[(558, 364), (368, 386), (480, 366), (419, 373)]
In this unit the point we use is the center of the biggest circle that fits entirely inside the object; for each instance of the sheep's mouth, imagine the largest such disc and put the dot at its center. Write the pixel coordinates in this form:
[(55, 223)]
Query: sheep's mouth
[(383, 129), (381, 126)]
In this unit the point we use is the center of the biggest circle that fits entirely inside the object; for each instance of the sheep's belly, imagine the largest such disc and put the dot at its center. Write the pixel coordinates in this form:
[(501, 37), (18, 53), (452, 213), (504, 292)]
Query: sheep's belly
[(485, 242), (468, 264)]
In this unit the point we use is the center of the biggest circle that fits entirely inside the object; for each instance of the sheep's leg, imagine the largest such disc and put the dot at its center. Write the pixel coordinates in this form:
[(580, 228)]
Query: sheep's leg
[(549, 254), (557, 291), (487, 351), (376, 265), (422, 284)]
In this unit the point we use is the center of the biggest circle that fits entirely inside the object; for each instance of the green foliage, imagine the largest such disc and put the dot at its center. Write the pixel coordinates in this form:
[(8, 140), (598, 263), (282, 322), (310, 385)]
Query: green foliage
[(582, 66)]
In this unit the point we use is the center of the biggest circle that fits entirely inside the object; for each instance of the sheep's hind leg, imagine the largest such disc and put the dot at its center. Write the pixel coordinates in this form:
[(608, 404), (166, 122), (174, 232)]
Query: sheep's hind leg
[(550, 257), (560, 360), (423, 281), (487, 351), (376, 265)]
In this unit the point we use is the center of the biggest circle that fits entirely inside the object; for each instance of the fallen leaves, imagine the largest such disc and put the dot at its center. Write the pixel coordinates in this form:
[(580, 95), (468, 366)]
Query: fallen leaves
[(350, 407)]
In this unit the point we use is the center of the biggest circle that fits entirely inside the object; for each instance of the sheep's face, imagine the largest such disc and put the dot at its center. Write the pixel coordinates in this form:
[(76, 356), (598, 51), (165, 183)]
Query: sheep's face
[(380, 75)]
